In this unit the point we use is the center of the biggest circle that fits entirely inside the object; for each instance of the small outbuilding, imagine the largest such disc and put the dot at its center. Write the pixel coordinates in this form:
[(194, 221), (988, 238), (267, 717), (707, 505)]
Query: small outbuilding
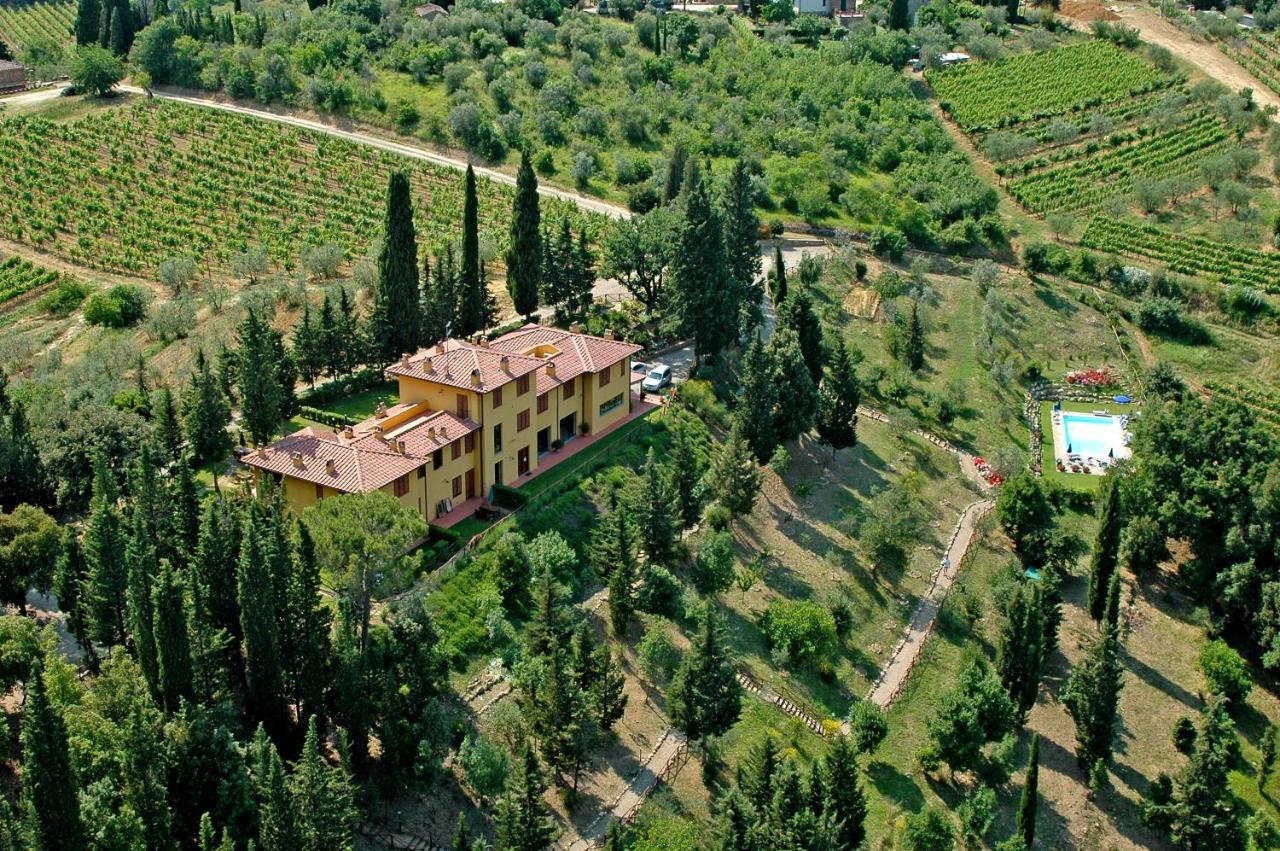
[(12, 76), (953, 58)]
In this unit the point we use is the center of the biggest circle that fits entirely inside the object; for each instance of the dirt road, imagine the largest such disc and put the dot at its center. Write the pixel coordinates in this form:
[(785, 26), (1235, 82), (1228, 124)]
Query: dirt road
[(1204, 55)]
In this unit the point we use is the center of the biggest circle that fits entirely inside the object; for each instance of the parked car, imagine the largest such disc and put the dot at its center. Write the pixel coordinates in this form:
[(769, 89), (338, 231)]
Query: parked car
[(639, 368), (658, 377)]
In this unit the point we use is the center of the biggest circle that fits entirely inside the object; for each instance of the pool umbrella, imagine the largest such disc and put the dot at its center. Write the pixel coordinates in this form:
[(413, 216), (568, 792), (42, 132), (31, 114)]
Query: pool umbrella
[(1068, 448), (1111, 453), (1123, 400)]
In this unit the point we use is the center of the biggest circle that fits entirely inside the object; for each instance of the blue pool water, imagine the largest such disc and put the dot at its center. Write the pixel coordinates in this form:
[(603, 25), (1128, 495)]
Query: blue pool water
[(1089, 435)]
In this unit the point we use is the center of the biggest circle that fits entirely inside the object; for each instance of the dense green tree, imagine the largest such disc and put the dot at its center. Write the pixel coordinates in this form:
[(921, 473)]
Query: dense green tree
[(305, 636), (796, 313), (899, 15), (257, 379), (653, 501), (706, 297), (277, 825), (48, 784), (741, 239), (524, 822), (71, 585), (1106, 547), (914, 351), (1205, 813), (23, 477), (104, 545), (165, 426), (839, 396), (512, 571), (712, 570), (684, 469), (323, 797), (705, 696), (29, 547), (172, 643), (308, 354), (1030, 794), (735, 476), (1267, 758), (928, 830), (797, 394), (1025, 514), (638, 252), (1020, 652), (1092, 697), (141, 566), (206, 413), (973, 714), (867, 727), (475, 311), (756, 415), (88, 19), (845, 800), (259, 624), (524, 258), (779, 274), (393, 324)]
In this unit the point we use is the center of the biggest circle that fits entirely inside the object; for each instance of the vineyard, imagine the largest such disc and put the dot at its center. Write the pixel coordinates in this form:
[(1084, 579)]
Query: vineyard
[(1257, 52), (1186, 254), (1030, 86), (20, 24), (1262, 403), (122, 190), (19, 277)]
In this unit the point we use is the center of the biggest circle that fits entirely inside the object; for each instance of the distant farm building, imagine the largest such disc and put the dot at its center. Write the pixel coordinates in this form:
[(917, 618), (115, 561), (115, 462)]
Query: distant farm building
[(12, 76), (429, 12)]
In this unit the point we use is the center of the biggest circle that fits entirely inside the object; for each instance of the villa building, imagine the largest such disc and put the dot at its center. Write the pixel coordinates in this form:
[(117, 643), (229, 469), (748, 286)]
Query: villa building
[(470, 415)]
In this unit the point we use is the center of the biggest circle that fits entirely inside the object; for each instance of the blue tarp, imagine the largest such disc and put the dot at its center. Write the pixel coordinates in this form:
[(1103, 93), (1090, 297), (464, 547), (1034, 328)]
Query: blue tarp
[(1033, 574), (1123, 400)]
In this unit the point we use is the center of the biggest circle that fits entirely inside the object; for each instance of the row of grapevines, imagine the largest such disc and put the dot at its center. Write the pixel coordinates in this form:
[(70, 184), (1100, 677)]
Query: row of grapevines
[(19, 25), (1030, 86), (1118, 115), (18, 277), (124, 189), (1084, 184), (1186, 254), (1260, 56)]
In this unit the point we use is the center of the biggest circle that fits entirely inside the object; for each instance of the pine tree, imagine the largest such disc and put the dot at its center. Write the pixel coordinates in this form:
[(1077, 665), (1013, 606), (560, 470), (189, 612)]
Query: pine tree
[(184, 507), (524, 258), (779, 277), (393, 325), (582, 286), (705, 695), (71, 584), (756, 416), (741, 239), (1267, 760), (277, 827), (104, 545), (141, 566), (839, 396), (734, 475), (1106, 547), (257, 380), (172, 643), (704, 292), (48, 783), (915, 339), (1092, 695), (323, 799), (307, 627), (606, 693), (206, 413), (524, 822), (685, 472), (88, 18), (677, 169), (347, 327), (165, 428), (796, 313), (845, 800), (1030, 794), (1206, 814), (307, 354), (461, 836), (653, 512), (797, 394), (1112, 613), (260, 628)]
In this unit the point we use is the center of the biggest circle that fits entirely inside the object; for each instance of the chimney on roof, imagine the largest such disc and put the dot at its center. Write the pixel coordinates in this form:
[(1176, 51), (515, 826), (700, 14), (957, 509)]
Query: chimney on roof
[(575, 328), (377, 432), (330, 467), (483, 341), (261, 452), (551, 369), (431, 432), (427, 367), (440, 347), (297, 459), (505, 363), (609, 335), (475, 377), (348, 432), (381, 410), (400, 446), (444, 433)]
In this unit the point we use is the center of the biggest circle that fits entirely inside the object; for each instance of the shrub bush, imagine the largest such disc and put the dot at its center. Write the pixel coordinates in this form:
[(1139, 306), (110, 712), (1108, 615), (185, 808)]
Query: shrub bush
[(508, 497), (65, 297), (799, 629), (1226, 671), (118, 307), (658, 656)]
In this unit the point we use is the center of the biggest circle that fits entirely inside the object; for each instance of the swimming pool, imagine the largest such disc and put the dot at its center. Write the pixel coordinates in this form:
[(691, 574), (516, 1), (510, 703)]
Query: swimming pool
[(1099, 437)]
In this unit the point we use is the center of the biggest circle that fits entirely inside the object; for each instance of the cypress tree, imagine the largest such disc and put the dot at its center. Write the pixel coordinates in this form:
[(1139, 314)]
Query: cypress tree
[(1206, 814), (257, 380), (446, 293), (797, 395), (347, 332), (184, 506), (677, 168), (474, 308), (1010, 656), (1092, 695), (796, 313), (461, 836), (22, 476), (260, 628), (756, 416), (741, 239), (1030, 794), (582, 286), (900, 15), (88, 19), (172, 643), (915, 339), (120, 29), (685, 473), (141, 564), (839, 396), (206, 413), (657, 534), (48, 783), (734, 475), (104, 546), (1106, 547), (328, 341), (71, 584), (549, 623), (705, 696), (393, 325), (214, 574), (165, 428), (307, 354), (308, 625), (779, 277), (524, 258), (523, 819), (277, 828), (703, 290), (1112, 613)]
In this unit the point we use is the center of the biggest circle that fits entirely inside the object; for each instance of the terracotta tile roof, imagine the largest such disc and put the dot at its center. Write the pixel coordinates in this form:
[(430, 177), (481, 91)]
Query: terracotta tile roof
[(576, 353), (455, 362), (369, 457)]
